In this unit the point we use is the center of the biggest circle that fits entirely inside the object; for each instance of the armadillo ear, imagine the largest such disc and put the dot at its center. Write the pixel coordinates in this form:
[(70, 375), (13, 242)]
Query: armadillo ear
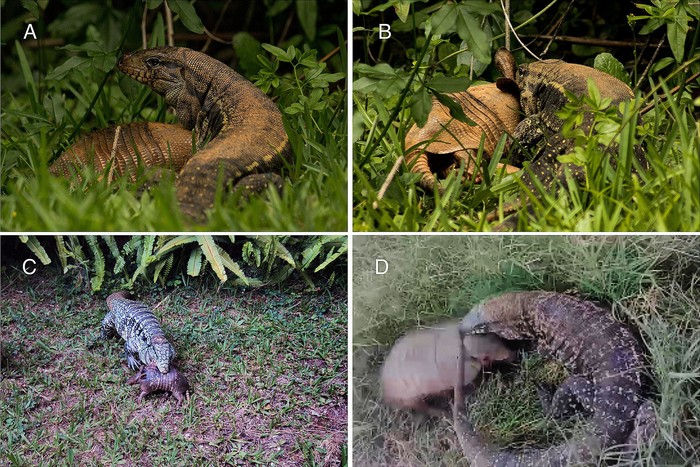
[(509, 86)]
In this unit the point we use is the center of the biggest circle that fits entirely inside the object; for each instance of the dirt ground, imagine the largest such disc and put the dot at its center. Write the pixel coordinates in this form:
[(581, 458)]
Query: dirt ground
[(267, 366)]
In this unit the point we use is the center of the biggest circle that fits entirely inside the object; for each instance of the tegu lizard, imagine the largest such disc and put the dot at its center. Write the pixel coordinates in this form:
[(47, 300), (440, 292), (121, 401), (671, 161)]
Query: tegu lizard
[(144, 339), (543, 87), (238, 130), (423, 364), (444, 143), (606, 365)]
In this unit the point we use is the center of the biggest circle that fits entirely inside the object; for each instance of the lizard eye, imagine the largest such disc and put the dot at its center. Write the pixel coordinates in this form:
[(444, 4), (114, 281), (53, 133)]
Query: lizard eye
[(153, 62)]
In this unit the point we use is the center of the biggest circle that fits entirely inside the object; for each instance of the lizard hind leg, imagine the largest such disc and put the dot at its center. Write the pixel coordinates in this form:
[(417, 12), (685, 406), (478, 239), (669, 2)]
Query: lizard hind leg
[(573, 396), (198, 181), (255, 183)]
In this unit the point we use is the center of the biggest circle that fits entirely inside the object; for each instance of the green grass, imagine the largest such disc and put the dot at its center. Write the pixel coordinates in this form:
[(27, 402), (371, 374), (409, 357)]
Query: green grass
[(663, 197), (650, 282), (42, 116), (268, 370)]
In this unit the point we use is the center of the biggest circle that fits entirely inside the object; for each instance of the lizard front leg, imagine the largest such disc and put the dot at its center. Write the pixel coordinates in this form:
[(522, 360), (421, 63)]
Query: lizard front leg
[(132, 356)]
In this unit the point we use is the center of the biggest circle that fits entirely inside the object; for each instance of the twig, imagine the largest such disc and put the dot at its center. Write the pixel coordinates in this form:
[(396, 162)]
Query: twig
[(330, 54), (169, 24), (112, 155), (211, 37), (646, 70), (589, 41), (144, 41), (557, 26), (387, 182), (506, 12), (671, 92), (517, 37), (285, 29)]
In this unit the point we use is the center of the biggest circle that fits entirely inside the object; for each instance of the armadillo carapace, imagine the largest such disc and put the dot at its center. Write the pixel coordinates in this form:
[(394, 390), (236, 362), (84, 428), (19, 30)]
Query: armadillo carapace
[(444, 143), (423, 363), (152, 380)]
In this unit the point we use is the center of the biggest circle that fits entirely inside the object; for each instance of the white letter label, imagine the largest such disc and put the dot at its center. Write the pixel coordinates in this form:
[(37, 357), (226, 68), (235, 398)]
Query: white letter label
[(26, 269), (29, 32), (384, 31), (384, 265)]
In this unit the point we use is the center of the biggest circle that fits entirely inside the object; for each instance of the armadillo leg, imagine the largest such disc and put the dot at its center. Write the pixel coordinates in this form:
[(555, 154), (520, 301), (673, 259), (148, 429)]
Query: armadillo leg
[(427, 181), (468, 158)]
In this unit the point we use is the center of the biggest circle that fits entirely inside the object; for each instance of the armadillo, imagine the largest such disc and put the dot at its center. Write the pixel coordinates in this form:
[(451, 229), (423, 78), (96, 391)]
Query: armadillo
[(152, 380), (423, 364)]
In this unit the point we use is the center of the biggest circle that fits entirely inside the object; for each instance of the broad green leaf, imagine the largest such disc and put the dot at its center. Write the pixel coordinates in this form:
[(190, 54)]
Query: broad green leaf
[(448, 84), (456, 110), (277, 52), (174, 243), (307, 13), (279, 6), (32, 6), (677, 30), (607, 63), (402, 8), (420, 107), (247, 50), (187, 14), (98, 263), (213, 254), (36, 248), (194, 264), (471, 31), (73, 63), (482, 8), (232, 266), (443, 20)]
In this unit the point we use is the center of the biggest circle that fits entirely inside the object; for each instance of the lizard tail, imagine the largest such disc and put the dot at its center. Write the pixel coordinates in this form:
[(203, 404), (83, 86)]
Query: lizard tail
[(199, 179)]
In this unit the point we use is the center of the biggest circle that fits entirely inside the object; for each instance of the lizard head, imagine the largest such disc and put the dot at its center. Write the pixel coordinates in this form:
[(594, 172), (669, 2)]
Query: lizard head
[(502, 315), (159, 68), (163, 353)]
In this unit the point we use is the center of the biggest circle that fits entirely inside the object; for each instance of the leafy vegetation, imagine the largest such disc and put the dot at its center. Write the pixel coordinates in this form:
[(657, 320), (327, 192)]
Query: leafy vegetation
[(259, 260), (650, 283), (52, 94), (443, 46)]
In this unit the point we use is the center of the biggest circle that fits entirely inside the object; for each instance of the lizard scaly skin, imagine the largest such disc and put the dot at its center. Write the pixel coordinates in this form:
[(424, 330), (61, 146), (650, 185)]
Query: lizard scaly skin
[(238, 129), (145, 342), (603, 356)]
